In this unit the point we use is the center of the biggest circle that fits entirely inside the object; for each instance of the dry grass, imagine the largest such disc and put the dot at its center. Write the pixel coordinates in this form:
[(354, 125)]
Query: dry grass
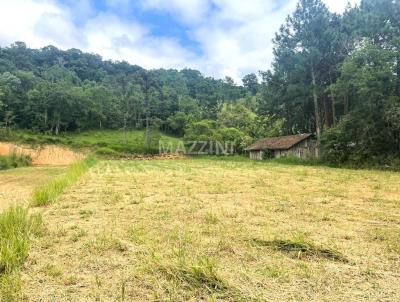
[(190, 230), (16, 185)]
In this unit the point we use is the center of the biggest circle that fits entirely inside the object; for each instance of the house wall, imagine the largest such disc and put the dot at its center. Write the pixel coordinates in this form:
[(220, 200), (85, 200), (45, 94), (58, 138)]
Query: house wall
[(256, 155), (304, 149)]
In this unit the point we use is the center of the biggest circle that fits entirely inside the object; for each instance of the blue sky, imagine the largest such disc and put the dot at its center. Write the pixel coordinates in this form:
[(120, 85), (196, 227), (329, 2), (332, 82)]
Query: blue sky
[(218, 37)]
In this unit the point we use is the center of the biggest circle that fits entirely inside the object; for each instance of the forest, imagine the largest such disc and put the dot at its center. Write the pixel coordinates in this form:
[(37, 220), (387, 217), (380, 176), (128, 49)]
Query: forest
[(336, 76)]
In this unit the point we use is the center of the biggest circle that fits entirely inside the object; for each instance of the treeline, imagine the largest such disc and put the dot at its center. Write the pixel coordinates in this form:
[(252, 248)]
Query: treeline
[(52, 90), (337, 76)]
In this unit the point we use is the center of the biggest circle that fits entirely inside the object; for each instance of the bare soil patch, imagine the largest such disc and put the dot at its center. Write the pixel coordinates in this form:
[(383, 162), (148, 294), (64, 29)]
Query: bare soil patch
[(44, 155)]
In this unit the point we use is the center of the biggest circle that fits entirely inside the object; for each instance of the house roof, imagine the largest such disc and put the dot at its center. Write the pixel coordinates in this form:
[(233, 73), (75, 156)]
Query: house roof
[(277, 143)]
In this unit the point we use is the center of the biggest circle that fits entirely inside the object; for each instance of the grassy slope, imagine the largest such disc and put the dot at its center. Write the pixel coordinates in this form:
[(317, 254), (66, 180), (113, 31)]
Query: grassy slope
[(225, 230), (107, 142)]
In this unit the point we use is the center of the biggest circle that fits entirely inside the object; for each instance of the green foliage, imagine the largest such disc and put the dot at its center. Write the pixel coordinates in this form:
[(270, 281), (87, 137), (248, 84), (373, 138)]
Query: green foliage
[(49, 192), (339, 74), (236, 115), (108, 152), (14, 161), (102, 142), (369, 132), (86, 92)]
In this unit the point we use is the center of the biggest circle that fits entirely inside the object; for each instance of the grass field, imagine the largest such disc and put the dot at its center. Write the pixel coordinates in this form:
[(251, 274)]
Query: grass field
[(16, 185), (202, 229), (106, 142)]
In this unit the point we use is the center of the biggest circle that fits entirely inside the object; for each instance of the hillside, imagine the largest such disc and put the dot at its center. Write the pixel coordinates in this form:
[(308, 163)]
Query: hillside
[(101, 142)]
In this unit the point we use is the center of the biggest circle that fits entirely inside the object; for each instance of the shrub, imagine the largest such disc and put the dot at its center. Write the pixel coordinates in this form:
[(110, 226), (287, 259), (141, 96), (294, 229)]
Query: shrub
[(14, 161), (105, 151)]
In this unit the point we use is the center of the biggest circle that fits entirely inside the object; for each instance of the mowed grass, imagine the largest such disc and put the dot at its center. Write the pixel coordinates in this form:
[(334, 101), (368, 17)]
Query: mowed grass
[(49, 192), (17, 185), (209, 230)]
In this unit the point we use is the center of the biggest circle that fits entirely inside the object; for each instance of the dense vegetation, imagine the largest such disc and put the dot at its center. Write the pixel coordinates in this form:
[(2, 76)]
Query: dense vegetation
[(14, 161), (337, 76)]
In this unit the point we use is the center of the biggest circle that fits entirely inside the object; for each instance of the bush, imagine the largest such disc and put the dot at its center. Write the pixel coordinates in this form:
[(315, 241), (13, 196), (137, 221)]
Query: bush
[(105, 151), (14, 161)]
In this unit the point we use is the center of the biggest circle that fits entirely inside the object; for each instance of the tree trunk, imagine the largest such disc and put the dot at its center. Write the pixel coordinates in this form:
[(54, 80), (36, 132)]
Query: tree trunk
[(45, 118), (57, 127), (316, 110), (333, 101), (125, 134), (147, 115), (398, 76), (346, 104)]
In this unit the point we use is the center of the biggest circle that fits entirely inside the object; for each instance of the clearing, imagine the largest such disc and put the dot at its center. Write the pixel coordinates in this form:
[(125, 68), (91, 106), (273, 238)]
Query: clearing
[(207, 229), (16, 185)]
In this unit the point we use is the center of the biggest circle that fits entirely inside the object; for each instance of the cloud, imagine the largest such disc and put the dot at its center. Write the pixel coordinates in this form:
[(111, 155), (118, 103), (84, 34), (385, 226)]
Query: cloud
[(41, 23), (340, 6), (237, 39), (234, 37), (131, 42), (190, 11)]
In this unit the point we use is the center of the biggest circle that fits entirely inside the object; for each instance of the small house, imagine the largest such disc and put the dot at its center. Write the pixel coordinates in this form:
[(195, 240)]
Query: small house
[(301, 145)]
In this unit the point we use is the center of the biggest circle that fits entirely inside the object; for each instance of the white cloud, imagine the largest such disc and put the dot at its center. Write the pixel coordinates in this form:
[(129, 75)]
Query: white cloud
[(40, 23), (113, 39), (187, 10), (235, 36), (340, 6)]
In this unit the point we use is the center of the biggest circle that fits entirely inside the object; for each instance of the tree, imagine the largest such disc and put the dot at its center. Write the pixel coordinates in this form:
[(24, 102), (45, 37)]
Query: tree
[(250, 82), (306, 37)]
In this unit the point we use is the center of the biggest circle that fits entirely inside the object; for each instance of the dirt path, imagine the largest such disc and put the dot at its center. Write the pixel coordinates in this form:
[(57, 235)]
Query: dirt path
[(16, 185), (45, 155)]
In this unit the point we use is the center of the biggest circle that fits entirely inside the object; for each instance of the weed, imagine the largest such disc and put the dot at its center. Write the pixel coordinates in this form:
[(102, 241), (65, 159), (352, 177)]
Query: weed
[(86, 213), (53, 270), (16, 228), (78, 234), (199, 276), (105, 242), (211, 218), (137, 235), (10, 287)]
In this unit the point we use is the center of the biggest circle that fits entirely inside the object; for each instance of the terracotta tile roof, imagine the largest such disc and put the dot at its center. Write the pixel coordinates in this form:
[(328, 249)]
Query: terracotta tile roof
[(277, 143)]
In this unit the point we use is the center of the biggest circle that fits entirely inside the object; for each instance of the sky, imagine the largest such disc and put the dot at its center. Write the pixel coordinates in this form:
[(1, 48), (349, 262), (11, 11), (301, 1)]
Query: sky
[(218, 37)]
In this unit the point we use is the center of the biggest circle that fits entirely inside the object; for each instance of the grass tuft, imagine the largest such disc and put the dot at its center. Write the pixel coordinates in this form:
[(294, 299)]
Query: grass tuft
[(49, 193), (300, 248), (16, 229), (199, 277)]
